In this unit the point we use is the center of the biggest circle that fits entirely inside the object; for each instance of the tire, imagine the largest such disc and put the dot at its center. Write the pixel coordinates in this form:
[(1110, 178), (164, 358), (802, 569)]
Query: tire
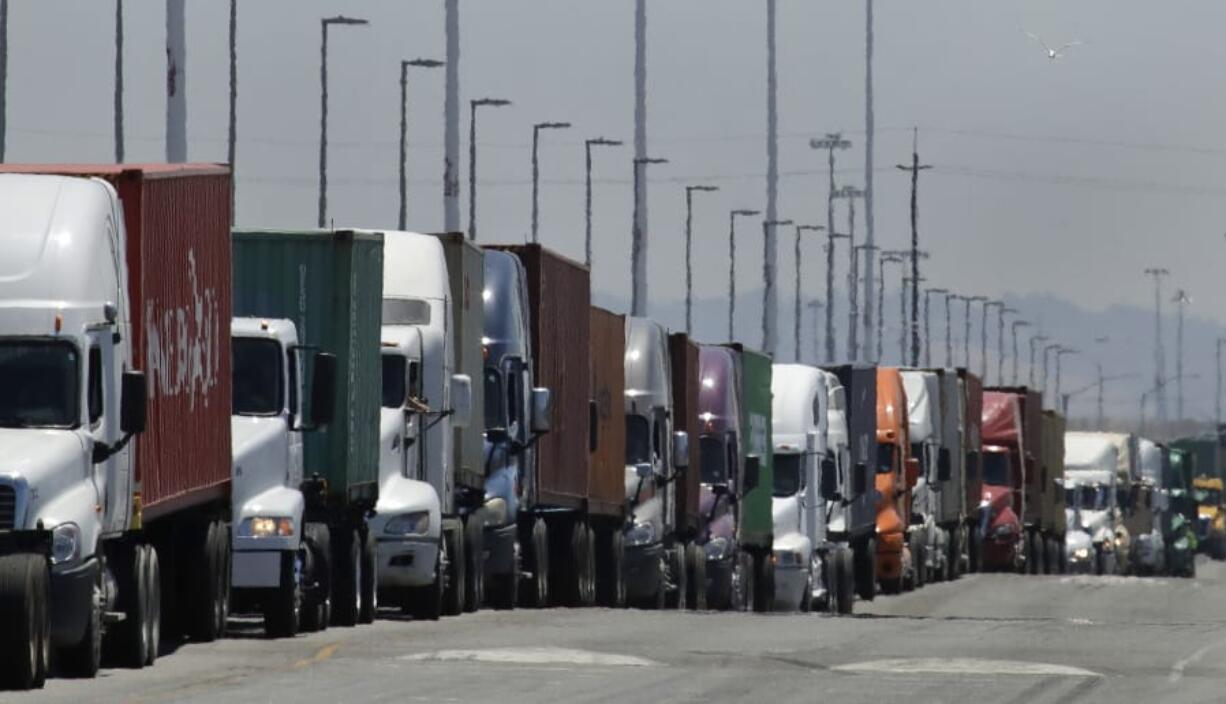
[(454, 568), (919, 566), (24, 597), (283, 613), (587, 595), (846, 585), (866, 569), (426, 603), (368, 580), (128, 642), (696, 580), (975, 551), (744, 588), (764, 578), (474, 550), (346, 571), (535, 591), (153, 582), (678, 567), (953, 555), (208, 619), (573, 573), (317, 576)]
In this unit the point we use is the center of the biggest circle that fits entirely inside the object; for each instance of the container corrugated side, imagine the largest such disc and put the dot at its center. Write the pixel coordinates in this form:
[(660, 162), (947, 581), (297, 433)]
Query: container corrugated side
[(330, 284), (466, 274), (972, 388), (606, 472), (757, 522), (1053, 470), (683, 357), (559, 296), (177, 218)]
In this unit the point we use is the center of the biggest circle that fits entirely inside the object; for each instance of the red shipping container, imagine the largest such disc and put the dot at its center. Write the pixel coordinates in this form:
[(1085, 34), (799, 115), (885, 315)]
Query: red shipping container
[(683, 357), (606, 469), (177, 218)]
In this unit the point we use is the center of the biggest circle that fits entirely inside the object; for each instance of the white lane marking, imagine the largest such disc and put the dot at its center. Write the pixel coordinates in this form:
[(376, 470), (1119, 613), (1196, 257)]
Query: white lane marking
[(1089, 580), (1081, 622), (532, 656), (964, 666), (1181, 665)]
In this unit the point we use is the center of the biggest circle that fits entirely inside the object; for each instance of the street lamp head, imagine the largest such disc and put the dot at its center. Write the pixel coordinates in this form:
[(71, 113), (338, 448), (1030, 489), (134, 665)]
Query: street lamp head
[(936, 290), (341, 19), (849, 192), (833, 140), (491, 102), (424, 63), (551, 126), (866, 247), (649, 160), (747, 213), (839, 236), (601, 141), (1021, 324), (976, 299), (811, 228), (702, 189), (775, 223)]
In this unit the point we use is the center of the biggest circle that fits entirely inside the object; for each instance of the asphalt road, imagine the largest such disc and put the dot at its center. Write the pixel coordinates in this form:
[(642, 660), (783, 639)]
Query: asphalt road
[(984, 638)]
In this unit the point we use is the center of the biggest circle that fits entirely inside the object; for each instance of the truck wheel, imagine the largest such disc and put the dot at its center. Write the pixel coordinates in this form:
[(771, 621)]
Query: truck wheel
[(283, 612), (347, 570), (129, 641), (369, 579), (474, 549), (975, 550), (24, 593), (536, 596), (588, 596), (845, 585), (85, 657), (696, 582), (919, 566), (764, 584), (954, 554), (153, 581), (676, 597), (866, 569), (454, 568), (208, 615), (426, 603), (317, 558), (503, 590), (573, 572)]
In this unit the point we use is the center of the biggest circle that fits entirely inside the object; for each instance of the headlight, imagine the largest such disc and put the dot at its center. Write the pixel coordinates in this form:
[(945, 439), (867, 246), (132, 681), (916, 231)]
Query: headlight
[(65, 543), (495, 512), (641, 534), (789, 558), (266, 527), (1081, 554), (415, 523), (716, 548)]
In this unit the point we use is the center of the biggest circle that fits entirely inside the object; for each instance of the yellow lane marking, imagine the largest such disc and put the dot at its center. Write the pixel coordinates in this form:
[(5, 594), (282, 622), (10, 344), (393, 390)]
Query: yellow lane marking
[(320, 655)]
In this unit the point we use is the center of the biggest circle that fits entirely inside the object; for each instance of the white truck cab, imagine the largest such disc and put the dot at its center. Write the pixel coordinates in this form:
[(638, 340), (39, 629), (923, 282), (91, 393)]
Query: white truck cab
[(1090, 469), (799, 420), (929, 542)]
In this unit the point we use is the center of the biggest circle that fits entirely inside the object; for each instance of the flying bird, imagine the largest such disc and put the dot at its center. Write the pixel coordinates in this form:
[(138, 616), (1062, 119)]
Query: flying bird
[(1053, 54)]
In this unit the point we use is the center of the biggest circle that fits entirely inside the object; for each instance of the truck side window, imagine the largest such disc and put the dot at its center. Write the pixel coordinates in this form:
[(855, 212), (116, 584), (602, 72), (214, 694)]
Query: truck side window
[(291, 361), (415, 379), (95, 385)]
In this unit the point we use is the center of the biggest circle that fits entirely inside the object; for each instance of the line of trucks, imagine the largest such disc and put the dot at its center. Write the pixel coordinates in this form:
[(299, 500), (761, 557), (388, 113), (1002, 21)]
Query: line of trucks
[(305, 425)]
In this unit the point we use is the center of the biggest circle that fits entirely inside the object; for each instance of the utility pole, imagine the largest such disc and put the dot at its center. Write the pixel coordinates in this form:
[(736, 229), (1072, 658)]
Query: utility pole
[(638, 242), (1159, 353), (4, 75), (472, 158), (1034, 339), (797, 314), (1046, 349), (770, 296), (983, 334), (404, 133), (1059, 360), (903, 319), (772, 170), (831, 142), (1018, 324), (869, 130), (928, 323), (536, 172), (1182, 299), (886, 258), (587, 210), (853, 349), (324, 23), (119, 81), (949, 328), (451, 117), (966, 336), (914, 169), (176, 82), (689, 272), (815, 305), (1000, 343), (732, 267), (1098, 366)]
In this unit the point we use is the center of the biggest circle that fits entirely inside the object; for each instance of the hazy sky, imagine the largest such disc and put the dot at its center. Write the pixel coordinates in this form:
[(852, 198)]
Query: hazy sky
[(1061, 177)]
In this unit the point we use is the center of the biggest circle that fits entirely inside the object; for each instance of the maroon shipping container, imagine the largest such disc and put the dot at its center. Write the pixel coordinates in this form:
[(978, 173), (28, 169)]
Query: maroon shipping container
[(560, 300), (177, 218), (1030, 408), (606, 483), (683, 359), (972, 387)]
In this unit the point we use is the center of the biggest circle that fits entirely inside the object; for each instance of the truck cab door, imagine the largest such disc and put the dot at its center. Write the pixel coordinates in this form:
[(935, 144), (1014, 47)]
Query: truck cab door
[(295, 372), (112, 477)]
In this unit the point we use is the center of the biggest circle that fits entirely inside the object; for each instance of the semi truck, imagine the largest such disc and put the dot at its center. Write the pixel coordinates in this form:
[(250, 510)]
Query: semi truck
[(929, 541), (1090, 469), (330, 284), (684, 364), (897, 474), (950, 473), (970, 392), (1150, 502), (114, 356), (1053, 522), (276, 567), (1206, 485), (1013, 427), (1001, 539), (852, 515), (656, 457)]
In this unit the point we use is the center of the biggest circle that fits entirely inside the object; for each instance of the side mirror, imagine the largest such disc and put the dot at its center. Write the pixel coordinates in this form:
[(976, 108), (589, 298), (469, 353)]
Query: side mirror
[(681, 450), (829, 484), (461, 400), (542, 410), (944, 465), (133, 406), (323, 389), (753, 467), (912, 471), (643, 470)]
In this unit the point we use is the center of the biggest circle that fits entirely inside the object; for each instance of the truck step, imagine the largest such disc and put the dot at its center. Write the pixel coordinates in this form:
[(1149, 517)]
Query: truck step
[(110, 618)]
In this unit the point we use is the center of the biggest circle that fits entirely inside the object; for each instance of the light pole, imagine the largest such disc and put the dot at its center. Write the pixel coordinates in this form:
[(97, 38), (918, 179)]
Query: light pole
[(1034, 339), (1046, 349), (176, 78), (638, 241), (1159, 352), (770, 296), (966, 337), (886, 258), (831, 236), (536, 172), (1059, 359), (904, 320), (732, 267), (689, 273), (853, 278), (851, 193), (1182, 299), (587, 210), (796, 313), (404, 132), (1017, 324), (1000, 344), (831, 142), (815, 305), (472, 157), (949, 328), (983, 337), (323, 108), (914, 169), (928, 323), (118, 107)]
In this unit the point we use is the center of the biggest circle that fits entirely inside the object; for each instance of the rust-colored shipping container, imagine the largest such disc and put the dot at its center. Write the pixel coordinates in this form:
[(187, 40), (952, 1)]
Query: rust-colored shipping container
[(972, 390), (559, 296), (1053, 472), (606, 484), (683, 358), (177, 218)]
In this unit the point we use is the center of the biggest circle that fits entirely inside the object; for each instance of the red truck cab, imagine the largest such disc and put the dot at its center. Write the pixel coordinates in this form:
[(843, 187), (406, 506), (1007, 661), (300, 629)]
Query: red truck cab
[(997, 537)]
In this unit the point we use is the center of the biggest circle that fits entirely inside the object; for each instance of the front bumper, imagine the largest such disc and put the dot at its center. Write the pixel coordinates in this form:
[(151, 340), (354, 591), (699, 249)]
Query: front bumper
[(256, 569), (1080, 565), (408, 561), (72, 595), (642, 570), (790, 584)]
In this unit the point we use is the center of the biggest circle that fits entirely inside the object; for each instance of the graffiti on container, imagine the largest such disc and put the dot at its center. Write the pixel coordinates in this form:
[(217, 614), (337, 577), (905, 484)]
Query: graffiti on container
[(183, 343)]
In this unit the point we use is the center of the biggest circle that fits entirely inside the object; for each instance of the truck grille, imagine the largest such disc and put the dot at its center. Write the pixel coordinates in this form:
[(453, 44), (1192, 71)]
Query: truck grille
[(8, 507)]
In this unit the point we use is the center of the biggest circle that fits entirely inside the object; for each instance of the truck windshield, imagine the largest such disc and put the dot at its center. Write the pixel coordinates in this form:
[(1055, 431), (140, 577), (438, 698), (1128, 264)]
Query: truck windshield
[(1094, 498), (638, 440), (788, 479), (996, 468), (395, 375), (885, 458), (713, 462), (40, 382), (257, 377)]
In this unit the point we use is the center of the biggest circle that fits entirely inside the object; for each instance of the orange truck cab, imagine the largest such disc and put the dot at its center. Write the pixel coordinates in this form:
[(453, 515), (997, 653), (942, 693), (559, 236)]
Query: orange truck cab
[(896, 474)]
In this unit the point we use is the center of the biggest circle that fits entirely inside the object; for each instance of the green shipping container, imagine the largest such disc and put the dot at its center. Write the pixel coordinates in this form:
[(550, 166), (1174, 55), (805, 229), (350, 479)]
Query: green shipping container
[(757, 524), (330, 284)]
